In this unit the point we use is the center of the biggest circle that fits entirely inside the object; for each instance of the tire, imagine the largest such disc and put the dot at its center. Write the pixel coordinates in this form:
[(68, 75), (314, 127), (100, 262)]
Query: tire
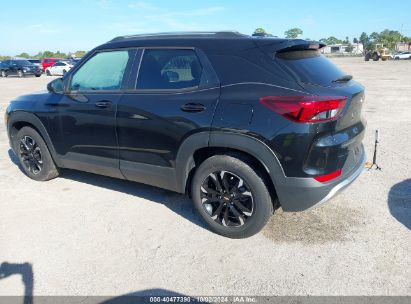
[(20, 74), (33, 155), (250, 191), (4, 74), (375, 57), (48, 73), (38, 75), (367, 57)]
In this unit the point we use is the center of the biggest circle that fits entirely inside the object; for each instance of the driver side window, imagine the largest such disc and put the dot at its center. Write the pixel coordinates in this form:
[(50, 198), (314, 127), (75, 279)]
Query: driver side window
[(103, 71)]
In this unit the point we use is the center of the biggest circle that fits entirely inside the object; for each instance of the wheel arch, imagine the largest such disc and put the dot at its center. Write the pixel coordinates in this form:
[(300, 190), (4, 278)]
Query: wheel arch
[(20, 119), (200, 146)]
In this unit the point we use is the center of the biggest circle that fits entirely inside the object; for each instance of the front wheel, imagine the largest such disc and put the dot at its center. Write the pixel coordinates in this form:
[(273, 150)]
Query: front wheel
[(34, 156), (231, 197), (48, 73), (20, 73), (3, 74)]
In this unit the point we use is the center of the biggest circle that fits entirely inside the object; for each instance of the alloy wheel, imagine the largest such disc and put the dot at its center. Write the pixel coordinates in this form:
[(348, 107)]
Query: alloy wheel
[(30, 155), (227, 199)]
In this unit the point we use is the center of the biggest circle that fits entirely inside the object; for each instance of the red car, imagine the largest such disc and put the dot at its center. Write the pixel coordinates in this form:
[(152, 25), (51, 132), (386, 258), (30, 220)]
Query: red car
[(48, 62)]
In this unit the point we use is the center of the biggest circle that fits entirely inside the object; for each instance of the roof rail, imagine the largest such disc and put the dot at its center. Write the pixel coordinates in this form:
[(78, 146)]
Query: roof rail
[(197, 33)]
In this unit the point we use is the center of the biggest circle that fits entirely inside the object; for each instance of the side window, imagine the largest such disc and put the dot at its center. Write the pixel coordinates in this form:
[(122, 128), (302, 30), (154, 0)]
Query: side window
[(103, 71), (169, 69)]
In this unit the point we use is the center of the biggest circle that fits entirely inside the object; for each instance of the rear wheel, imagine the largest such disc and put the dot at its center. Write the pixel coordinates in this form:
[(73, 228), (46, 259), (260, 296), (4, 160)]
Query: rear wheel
[(375, 57), (48, 73), (38, 75), (34, 156), (231, 197), (4, 74)]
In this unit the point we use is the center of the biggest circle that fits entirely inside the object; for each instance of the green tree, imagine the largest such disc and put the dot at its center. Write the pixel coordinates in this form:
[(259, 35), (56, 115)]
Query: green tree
[(47, 54), (389, 38), (347, 40), (355, 40), (364, 39), (79, 54), (375, 37), (23, 55), (293, 33), (349, 48), (331, 40)]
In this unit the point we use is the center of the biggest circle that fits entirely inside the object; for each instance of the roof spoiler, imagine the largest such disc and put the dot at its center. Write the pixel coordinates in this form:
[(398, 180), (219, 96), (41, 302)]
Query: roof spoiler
[(290, 45)]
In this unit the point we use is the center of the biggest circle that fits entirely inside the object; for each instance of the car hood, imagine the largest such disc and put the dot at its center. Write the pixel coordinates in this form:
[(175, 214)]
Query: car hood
[(35, 96)]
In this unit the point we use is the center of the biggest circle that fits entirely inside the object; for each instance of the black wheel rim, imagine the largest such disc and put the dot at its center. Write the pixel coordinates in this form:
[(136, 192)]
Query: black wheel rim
[(30, 155), (227, 199)]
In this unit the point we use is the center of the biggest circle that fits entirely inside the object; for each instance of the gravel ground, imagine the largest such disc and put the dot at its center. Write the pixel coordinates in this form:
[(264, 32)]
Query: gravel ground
[(83, 234)]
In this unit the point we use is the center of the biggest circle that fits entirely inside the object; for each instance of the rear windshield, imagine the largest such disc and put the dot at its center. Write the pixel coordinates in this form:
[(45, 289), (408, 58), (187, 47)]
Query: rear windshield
[(309, 66)]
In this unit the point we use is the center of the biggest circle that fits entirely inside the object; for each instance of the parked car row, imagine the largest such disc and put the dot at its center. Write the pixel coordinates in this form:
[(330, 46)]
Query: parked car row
[(23, 67), (19, 67)]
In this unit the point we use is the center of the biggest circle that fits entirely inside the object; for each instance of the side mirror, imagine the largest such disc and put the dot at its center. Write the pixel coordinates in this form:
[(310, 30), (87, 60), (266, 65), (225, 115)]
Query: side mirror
[(56, 86)]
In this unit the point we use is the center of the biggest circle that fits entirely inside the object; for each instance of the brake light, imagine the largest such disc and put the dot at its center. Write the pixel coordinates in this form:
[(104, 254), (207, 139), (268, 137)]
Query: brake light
[(306, 108), (328, 177)]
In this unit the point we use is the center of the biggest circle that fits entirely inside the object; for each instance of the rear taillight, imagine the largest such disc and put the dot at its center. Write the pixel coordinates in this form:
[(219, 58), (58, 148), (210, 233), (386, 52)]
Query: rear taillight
[(328, 177), (306, 108)]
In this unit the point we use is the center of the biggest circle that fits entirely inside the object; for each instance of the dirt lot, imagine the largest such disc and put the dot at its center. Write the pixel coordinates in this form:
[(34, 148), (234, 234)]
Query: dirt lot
[(82, 234)]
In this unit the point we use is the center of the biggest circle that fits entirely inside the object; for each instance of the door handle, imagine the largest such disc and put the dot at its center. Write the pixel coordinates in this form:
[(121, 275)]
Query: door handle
[(193, 107), (103, 104)]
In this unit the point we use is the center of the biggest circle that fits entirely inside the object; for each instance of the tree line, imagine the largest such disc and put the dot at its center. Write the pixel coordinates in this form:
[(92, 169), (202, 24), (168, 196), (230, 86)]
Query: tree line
[(47, 54), (388, 38)]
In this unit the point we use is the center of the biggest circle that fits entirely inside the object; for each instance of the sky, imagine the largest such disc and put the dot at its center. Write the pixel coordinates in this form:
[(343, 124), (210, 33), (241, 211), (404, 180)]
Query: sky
[(33, 26)]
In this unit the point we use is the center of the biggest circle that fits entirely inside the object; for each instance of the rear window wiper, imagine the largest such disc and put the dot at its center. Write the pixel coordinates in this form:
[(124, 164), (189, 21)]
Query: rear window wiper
[(344, 78)]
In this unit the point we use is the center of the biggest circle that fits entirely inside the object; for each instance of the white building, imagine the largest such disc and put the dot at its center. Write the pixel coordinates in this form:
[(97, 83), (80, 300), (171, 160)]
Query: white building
[(358, 49)]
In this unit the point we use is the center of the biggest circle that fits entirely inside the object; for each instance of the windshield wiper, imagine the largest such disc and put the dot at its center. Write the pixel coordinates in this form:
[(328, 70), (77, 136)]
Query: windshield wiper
[(344, 78)]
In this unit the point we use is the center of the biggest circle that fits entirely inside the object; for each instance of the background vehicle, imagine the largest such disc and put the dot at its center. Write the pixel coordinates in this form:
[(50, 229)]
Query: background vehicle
[(243, 125), (20, 68), (402, 55), (48, 62), (36, 62), (59, 68), (380, 52)]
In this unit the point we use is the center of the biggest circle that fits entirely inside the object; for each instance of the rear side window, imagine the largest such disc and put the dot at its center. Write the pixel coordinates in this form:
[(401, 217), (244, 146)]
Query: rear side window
[(309, 66), (103, 71), (169, 69)]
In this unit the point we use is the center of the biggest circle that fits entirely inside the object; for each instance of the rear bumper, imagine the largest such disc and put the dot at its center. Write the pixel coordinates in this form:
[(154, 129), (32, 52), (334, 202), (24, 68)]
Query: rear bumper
[(299, 194)]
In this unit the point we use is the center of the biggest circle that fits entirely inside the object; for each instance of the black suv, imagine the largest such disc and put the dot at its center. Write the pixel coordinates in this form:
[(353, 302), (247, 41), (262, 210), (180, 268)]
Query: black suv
[(242, 124), (19, 67)]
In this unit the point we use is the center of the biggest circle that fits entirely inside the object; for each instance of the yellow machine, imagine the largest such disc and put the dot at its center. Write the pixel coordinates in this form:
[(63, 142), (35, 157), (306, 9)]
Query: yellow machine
[(380, 52)]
